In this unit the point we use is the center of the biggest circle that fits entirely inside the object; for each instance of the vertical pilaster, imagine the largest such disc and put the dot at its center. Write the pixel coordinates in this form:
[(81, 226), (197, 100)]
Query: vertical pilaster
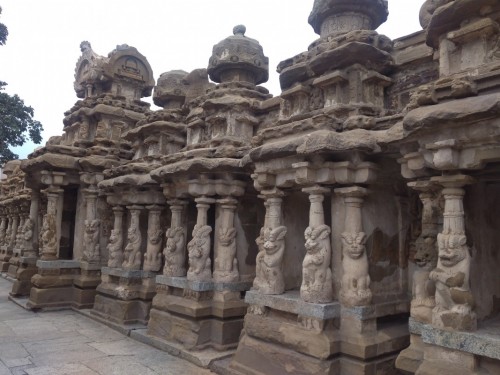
[(269, 263), (317, 284), (226, 264), (115, 243), (51, 230), (153, 256), (355, 286), (199, 247), (454, 299), (175, 248), (132, 257)]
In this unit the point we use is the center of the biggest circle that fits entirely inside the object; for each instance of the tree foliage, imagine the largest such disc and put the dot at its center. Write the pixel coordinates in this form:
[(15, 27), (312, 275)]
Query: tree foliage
[(16, 119)]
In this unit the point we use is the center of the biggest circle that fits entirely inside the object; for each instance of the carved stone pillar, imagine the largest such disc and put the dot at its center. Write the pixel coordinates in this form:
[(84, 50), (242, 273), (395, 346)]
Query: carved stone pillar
[(91, 252), (30, 247), (226, 264), (13, 233), (317, 283), (269, 263), (115, 243), (454, 299), (199, 247), (423, 289), (51, 229), (18, 243), (175, 248), (355, 285), (3, 228), (132, 256), (153, 256), (8, 231)]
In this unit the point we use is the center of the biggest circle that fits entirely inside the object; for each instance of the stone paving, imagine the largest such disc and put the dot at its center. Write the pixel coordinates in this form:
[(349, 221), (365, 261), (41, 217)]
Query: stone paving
[(68, 343)]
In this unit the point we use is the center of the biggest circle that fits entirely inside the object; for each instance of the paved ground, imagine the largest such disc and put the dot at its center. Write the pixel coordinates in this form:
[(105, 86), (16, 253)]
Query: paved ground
[(67, 343)]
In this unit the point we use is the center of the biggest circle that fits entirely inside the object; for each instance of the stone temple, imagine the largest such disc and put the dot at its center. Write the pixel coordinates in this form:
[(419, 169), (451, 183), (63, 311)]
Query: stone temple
[(347, 226)]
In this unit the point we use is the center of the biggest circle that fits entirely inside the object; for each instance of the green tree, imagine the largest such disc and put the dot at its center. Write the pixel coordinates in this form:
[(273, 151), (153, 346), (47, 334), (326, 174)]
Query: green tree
[(16, 119)]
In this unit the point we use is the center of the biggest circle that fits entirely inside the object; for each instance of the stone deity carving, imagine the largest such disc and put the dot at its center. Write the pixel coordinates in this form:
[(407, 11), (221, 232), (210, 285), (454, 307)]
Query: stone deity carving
[(355, 289), (269, 274), (454, 300), (2, 233), (114, 247), (49, 237), (28, 234), (317, 286), (153, 256), (226, 264), (423, 288), (91, 240), (174, 253), (199, 254), (132, 258)]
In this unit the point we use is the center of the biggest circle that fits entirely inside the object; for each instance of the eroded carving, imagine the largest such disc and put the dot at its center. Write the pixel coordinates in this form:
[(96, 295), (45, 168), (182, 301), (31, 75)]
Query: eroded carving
[(226, 264), (317, 284), (49, 237), (269, 273), (91, 240), (115, 250), (174, 252), (199, 254)]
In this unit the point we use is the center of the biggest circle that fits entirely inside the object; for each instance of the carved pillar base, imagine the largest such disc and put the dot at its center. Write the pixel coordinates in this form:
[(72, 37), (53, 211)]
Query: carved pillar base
[(24, 271), (85, 285), (124, 296), (53, 284), (197, 314)]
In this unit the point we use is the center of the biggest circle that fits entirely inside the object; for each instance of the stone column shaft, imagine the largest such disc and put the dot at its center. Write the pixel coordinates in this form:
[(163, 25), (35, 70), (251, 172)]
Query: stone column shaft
[(132, 258), (225, 248), (175, 248), (153, 256), (317, 281)]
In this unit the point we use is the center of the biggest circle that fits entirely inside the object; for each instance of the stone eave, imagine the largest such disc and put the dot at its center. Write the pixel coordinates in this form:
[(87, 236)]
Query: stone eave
[(198, 165), (326, 141), (177, 129), (51, 161), (454, 113), (130, 180), (450, 16)]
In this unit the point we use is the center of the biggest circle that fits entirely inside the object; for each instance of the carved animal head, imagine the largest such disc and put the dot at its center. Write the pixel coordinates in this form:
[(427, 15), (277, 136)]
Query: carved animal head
[(314, 236), (154, 236), (113, 237), (28, 224), (353, 244), (91, 226), (274, 239), (226, 236), (452, 249), (426, 255)]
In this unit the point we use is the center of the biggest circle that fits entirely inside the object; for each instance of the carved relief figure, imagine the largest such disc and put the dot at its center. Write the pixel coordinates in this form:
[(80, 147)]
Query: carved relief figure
[(174, 253), (423, 289), (269, 274), (132, 259), (317, 284), (2, 233), (199, 252), (28, 234), (355, 286), (226, 264), (91, 240), (48, 236), (115, 249), (153, 256), (454, 300)]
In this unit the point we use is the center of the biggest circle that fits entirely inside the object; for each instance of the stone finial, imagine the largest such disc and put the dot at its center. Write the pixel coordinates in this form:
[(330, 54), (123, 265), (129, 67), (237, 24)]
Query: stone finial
[(238, 59), (341, 16)]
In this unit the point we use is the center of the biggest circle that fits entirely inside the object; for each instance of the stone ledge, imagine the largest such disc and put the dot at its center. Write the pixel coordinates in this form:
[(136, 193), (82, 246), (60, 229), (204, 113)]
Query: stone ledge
[(203, 286), (290, 302), (90, 266), (57, 264), (28, 260), (484, 342), (377, 310), (119, 272)]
